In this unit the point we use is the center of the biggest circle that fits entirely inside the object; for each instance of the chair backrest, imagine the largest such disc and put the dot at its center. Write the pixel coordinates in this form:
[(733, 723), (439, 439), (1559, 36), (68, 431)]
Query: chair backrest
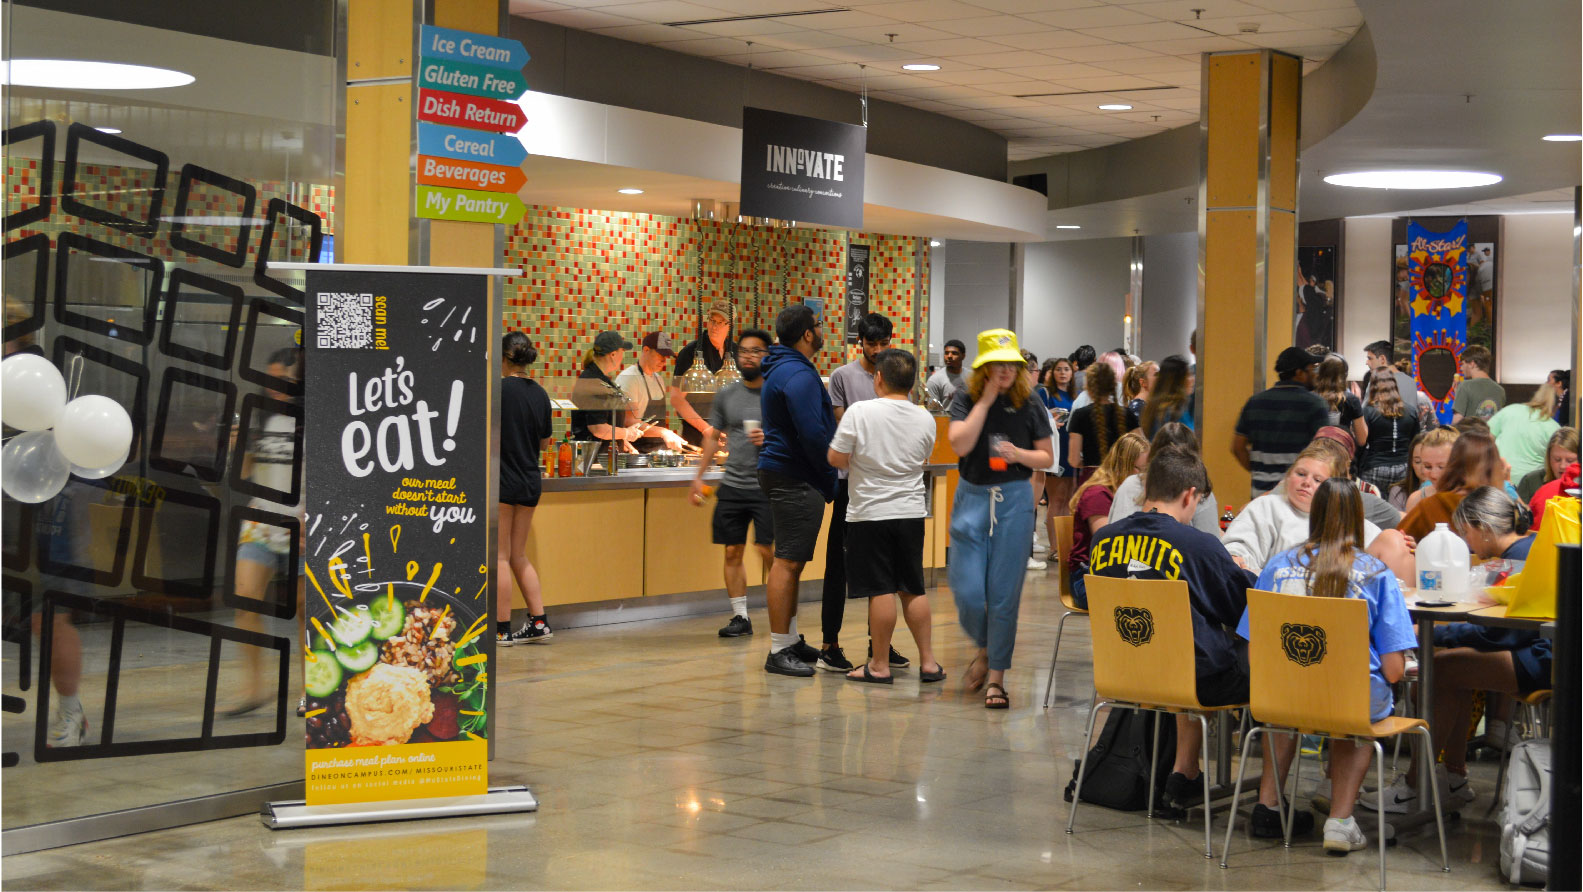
[(1143, 640), (1063, 550), (1308, 662)]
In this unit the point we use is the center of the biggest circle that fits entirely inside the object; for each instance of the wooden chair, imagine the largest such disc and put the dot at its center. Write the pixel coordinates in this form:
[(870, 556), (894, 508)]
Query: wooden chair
[(1308, 662), (1062, 548), (1532, 711), (1143, 659)]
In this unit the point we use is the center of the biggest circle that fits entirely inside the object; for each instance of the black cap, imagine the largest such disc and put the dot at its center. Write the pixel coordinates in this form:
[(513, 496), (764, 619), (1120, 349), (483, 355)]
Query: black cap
[(1294, 358), (610, 342)]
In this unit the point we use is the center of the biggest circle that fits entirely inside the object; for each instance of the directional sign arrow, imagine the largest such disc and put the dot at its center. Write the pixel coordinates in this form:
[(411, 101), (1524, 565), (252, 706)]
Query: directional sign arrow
[(469, 145), (469, 175), (440, 203), (475, 112), (474, 80), (465, 46)]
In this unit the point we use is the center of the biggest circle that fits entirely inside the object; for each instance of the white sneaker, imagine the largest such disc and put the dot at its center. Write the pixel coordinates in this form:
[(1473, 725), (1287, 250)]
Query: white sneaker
[(1500, 735), (68, 729), (1396, 799), (1036, 564), (1343, 835)]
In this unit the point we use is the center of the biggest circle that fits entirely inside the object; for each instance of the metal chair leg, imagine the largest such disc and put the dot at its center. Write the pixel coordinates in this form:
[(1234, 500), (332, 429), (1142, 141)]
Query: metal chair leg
[(1236, 792), (1154, 761), (1379, 772), (1203, 723), (1297, 772), (1082, 764), (1440, 815), (1049, 683)]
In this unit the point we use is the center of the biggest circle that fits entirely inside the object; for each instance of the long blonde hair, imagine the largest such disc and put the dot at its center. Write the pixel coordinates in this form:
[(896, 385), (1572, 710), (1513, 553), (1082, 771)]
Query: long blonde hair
[(1117, 465), (1018, 392), (1543, 404), (1335, 537)]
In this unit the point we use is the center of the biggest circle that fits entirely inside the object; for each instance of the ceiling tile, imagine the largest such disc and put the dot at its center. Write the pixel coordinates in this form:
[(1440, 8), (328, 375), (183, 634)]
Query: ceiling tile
[(949, 47), (1205, 44), (644, 33), (1344, 19), (1184, 10), (1052, 40), (1155, 64), (1019, 7), (804, 39), (1091, 17), (880, 32), (746, 29), (832, 71), (1281, 40), (703, 46), (1004, 59), (988, 78), (1146, 31), (1267, 22), (870, 54), (1118, 53), (661, 10), (1060, 71), (925, 10), (529, 7), (989, 26), (1108, 82), (1301, 5), (583, 19)]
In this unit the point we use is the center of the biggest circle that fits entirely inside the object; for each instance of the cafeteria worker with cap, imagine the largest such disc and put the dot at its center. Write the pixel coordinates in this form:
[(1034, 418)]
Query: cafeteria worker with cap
[(712, 348), (1001, 434), (601, 405), (644, 384)]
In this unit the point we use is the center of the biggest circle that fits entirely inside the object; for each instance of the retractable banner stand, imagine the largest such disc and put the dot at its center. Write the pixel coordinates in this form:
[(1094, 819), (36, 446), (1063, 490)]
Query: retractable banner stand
[(397, 547), (803, 169)]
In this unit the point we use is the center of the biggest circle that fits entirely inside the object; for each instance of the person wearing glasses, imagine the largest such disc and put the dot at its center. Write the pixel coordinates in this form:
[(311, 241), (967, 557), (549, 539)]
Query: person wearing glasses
[(713, 346)]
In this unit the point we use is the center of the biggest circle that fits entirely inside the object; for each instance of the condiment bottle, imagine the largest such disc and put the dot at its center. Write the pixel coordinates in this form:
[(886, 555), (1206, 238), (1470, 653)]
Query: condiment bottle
[(564, 460), (1226, 517)]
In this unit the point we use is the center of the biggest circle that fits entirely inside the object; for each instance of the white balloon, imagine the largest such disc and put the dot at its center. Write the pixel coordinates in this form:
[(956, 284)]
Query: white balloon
[(101, 473), (93, 431), (32, 392), (32, 470)]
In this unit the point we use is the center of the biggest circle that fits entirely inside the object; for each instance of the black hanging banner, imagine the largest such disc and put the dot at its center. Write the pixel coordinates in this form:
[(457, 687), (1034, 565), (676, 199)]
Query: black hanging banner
[(397, 554), (804, 169), (856, 289)]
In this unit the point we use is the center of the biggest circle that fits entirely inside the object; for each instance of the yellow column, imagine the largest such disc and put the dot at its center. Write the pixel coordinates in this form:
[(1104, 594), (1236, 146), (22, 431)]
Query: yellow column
[(1247, 242)]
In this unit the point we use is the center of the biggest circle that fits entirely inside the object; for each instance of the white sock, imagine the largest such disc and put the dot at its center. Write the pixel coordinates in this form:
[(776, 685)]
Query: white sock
[(739, 606), (779, 641), (69, 704), (792, 629)]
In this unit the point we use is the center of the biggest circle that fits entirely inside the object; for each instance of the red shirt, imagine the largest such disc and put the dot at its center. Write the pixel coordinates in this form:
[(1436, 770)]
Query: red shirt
[(1094, 502), (1567, 480)]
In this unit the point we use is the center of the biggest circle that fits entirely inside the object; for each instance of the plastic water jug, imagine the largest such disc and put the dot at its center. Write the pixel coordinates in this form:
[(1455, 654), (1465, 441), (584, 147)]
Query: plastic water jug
[(1442, 564)]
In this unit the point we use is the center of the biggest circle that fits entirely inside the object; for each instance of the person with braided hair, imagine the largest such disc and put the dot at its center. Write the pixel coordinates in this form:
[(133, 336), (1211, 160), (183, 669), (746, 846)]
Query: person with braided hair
[(1094, 428)]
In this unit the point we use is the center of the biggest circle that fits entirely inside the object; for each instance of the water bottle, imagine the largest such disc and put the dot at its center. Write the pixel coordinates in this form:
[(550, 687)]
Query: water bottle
[(1442, 565)]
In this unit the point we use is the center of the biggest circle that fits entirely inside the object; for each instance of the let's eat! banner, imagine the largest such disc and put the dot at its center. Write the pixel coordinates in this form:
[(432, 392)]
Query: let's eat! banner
[(397, 660)]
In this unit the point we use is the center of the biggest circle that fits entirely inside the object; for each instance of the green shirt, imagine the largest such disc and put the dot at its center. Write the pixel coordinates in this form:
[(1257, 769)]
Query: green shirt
[(1479, 398)]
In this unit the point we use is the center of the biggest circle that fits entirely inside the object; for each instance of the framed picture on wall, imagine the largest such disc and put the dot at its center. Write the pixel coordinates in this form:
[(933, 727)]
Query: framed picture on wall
[(1314, 298)]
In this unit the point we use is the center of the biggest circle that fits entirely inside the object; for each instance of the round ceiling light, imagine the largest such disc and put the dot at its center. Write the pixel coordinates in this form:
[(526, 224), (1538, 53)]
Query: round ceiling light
[(1413, 179), (920, 66), (1067, 226), (630, 191), (1115, 106), (934, 243), (81, 74), (1564, 137)]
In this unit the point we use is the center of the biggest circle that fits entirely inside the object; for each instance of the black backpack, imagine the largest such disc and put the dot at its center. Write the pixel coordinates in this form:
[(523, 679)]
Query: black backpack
[(1118, 766)]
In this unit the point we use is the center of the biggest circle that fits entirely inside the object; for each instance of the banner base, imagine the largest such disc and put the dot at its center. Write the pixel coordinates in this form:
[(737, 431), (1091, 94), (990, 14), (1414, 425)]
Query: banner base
[(293, 813)]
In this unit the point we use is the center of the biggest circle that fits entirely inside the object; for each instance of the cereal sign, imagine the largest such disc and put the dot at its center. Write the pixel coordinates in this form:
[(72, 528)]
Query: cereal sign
[(397, 660)]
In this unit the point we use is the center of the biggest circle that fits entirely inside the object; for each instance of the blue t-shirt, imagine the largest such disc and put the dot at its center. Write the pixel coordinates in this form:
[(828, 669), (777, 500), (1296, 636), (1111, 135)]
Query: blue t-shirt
[(1390, 628), (1054, 399)]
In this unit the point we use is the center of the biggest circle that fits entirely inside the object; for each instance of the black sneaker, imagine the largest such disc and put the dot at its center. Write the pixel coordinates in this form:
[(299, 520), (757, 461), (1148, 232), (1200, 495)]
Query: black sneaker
[(536, 631), (505, 639), (1183, 793), (1267, 823), (897, 661), (737, 627), (804, 651), (831, 659), (785, 662)]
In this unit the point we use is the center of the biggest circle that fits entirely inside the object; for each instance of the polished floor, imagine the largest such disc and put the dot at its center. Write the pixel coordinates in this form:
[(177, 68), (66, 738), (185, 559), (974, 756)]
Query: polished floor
[(665, 758)]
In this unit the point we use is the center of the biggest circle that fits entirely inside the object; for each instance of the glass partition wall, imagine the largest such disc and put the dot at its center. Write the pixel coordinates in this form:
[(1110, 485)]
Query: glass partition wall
[(151, 615)]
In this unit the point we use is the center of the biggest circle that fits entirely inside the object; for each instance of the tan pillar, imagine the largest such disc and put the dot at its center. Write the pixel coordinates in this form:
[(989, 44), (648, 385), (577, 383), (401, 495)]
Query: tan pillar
[(1247, 242)]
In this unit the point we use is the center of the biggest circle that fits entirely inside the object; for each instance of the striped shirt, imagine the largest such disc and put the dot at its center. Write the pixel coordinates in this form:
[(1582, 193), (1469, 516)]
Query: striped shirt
[(1278, 423)]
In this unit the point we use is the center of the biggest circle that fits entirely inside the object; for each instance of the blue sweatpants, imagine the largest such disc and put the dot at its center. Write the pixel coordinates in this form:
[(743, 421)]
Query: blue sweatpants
[(991, 541)]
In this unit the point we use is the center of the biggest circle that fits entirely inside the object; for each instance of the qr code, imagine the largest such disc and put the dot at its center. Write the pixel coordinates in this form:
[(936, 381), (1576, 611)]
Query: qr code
[(345, 321)]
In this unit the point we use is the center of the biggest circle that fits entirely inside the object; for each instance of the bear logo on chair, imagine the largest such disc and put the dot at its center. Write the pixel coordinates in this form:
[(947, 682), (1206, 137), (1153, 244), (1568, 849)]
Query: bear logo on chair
[(1304, 644), (1135, 625)]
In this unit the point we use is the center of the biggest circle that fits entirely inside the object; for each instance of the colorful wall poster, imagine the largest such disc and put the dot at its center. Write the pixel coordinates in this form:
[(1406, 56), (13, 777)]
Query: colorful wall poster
[(1437, 282), (1314, 301), (396, 546)]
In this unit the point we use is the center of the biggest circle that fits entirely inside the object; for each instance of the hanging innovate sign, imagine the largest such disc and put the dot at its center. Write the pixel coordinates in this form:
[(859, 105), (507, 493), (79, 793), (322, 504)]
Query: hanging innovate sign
[(856, 289), (468, 154), (397, 552), (805, 169), (1437, 273)]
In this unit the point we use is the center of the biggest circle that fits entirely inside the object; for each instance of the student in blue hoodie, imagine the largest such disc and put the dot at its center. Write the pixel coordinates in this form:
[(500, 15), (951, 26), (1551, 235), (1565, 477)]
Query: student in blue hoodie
[(795, 475)]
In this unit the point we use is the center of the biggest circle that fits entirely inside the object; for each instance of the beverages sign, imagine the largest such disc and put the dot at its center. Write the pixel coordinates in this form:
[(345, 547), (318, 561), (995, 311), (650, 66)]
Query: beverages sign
[(469, 159)]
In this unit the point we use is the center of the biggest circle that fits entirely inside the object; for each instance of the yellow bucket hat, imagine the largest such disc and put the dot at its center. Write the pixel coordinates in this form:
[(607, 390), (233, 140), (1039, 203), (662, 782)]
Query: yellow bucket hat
[(997, 345)]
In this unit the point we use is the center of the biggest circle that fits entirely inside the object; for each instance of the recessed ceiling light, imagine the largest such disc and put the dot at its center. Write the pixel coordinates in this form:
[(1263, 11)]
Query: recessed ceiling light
[(110, 130), (1067, 226), (1413, 179), (81, 74), (630, 191), (1564, 137), (934, 243), (1115, 106), (920, 66)]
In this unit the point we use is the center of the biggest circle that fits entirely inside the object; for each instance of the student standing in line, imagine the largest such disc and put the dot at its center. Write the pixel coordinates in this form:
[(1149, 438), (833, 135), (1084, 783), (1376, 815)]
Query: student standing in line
[(1277, 423), (885, 444), (796, 476), (1344, 410), (1059, 480), (947, 380), (1390, 431), (1000, 434), (525, 431), (1478, 396), (1170, 400), (738, 416), (1093, 428), (1138, 385)]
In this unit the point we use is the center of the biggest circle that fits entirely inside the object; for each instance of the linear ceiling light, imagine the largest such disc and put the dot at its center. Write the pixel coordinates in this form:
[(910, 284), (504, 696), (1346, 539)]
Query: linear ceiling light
[(756, 17), (1564, 137), (1067, 226), (1114, 106), (83, 74), (1092, 92), (920, 66), (630, 191), (1413, 179)]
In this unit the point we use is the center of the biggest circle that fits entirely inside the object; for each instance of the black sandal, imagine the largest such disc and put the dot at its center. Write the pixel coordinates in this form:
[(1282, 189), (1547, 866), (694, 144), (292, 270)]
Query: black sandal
[(990, 696), (870, 678)]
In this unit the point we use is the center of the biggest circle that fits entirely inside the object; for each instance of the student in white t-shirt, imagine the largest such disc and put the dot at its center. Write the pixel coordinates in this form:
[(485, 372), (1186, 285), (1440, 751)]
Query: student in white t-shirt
[(884, 446)]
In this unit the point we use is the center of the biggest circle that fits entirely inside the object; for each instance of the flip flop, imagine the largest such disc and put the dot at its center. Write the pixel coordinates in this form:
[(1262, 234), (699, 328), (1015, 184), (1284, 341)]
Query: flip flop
[(870, 678), (974, 681), (990, 696), (938, 674)]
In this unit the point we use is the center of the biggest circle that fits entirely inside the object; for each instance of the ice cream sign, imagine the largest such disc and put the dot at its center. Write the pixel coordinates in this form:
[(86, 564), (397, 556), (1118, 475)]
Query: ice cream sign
[(468, 155)]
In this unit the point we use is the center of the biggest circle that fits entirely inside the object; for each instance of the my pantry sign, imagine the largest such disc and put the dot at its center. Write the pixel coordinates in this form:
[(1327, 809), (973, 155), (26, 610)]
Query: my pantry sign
[(468, 155)]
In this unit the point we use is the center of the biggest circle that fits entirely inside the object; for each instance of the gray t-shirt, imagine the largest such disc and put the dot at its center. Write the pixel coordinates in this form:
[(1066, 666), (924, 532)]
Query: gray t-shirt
[(942, 385), (851, 384), (1479, 398), (732, 406)]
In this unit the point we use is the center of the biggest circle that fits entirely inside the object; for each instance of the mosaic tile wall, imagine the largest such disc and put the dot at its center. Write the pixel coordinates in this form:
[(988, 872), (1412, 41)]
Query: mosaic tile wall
[(587, 271)]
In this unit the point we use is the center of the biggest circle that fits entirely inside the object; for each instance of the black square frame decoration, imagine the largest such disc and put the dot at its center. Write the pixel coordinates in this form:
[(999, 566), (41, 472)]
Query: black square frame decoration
[(258, 404), (17, 534), (49, 537), (185, 278), (71, 241), (138, 372), (180, 588), (284, 606), (214, 472), (192, 173), (76, 135), (279, 207), (19, 626), (257, 373), (46, 163), (35, 320)]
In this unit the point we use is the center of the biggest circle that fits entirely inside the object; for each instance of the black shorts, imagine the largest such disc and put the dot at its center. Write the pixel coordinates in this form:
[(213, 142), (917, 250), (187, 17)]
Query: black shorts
[(734, 508), (796, 512), (884, 557), (1226, 688), (520, 491)]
